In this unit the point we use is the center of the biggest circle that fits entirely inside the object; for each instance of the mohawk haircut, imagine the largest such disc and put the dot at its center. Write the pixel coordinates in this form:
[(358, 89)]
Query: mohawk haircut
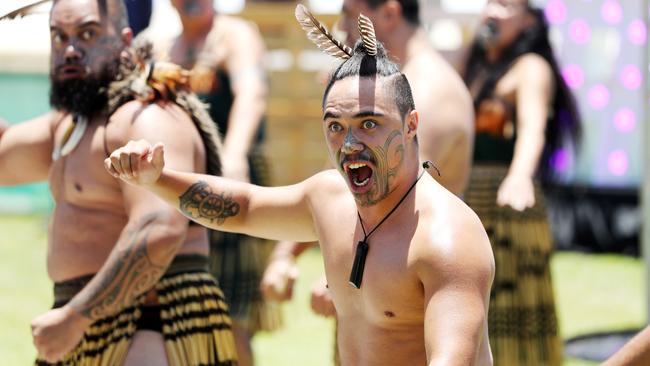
[(363, 65)]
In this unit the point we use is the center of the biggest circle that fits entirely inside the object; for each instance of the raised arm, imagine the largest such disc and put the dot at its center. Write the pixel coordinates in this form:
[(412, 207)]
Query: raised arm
[(26, 150), (533, 97), (249, 87), (457, 283), (219, 203)]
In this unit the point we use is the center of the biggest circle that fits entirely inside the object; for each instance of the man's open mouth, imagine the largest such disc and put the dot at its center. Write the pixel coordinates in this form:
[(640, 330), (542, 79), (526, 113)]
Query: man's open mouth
[(70, 72), (359, 173)]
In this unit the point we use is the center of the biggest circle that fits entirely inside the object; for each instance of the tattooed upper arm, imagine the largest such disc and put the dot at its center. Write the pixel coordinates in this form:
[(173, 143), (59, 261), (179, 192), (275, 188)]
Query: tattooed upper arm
[(201, 202)]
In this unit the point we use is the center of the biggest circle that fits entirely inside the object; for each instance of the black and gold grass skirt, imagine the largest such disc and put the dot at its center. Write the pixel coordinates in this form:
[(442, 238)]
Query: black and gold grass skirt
[(194, 321), (238, 262), (522, 321)]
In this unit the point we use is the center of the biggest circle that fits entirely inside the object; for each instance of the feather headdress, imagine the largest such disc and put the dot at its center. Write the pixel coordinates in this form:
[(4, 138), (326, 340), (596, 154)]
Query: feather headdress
[(23, 10), (318, 33), (367, 32), (321, 37)]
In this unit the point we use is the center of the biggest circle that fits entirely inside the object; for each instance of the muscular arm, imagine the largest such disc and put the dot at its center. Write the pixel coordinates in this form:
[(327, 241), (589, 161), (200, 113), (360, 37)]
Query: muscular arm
[(245, 67), (26, 150), (154, 233), (456, 290), (226, 205)]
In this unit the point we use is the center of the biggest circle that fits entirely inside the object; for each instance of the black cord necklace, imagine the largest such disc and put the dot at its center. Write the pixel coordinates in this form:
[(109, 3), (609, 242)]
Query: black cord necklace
[(362, 247)]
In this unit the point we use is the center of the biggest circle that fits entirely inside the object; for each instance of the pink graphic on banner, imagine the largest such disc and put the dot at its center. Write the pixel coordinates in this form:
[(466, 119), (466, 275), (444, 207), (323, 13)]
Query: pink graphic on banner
[(617, 162), (636, 32), (555, 11), (598, 97), (580, 31), (573, 76), (611, 11), (625, 120), (631, 77)]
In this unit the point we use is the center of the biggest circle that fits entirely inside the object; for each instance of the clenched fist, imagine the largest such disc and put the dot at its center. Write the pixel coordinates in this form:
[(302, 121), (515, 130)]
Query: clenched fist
[(137, 162), (58, 332)]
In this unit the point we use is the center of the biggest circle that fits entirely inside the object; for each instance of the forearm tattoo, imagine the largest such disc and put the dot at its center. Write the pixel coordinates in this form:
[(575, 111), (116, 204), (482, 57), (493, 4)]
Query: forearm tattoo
[(200, 202), (128, 273)]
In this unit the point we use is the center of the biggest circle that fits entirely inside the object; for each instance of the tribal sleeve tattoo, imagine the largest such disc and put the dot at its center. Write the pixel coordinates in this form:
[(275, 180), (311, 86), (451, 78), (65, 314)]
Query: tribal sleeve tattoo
[(200, 202), (129, 272)]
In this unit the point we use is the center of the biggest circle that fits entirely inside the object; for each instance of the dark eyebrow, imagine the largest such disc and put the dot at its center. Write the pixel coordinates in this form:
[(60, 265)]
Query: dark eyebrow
[(330, 115), (90, 23), (367, 114)]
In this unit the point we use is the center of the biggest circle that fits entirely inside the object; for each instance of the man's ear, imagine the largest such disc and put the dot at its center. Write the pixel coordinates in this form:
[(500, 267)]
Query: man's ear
[(411, 123), (127, 36)]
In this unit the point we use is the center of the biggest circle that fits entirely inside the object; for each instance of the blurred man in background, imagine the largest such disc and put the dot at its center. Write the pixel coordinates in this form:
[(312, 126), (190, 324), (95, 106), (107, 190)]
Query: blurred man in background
[(124, 265)]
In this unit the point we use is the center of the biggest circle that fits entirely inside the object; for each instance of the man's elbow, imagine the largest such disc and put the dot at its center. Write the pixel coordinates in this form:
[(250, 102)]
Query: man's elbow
[(165, 237)]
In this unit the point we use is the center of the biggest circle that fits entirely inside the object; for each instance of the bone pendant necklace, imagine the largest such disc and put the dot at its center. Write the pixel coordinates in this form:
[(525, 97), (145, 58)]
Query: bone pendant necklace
[(362, 247), (71, 138)]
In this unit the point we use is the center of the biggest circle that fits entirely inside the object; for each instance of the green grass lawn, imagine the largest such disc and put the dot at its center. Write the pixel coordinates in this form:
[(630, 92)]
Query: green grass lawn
[(594, 293)]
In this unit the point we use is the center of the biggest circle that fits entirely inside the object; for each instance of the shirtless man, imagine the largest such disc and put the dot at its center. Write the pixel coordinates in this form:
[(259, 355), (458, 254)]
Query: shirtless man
[(113, 248), (424, 291), (446, 129)]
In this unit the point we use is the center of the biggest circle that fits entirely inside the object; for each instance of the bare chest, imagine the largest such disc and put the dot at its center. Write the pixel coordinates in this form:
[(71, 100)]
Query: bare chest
[(390, 291), (79, 178)]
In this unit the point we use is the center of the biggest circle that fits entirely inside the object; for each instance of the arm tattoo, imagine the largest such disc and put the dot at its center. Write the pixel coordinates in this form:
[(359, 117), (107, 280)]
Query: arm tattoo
[(128, 272), (199, 202)]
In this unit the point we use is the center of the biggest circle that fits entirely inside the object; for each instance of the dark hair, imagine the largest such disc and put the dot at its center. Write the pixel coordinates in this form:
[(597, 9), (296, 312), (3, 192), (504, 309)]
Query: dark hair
[(564, 119), (410, 9), (363, 65)]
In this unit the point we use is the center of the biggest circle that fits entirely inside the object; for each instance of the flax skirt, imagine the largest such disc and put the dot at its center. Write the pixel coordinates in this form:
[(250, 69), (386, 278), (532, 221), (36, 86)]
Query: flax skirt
[(522, 322), (194, 318)]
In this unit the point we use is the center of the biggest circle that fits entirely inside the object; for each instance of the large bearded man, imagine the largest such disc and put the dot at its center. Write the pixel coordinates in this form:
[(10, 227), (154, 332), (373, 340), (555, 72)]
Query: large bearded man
[(125, 265)]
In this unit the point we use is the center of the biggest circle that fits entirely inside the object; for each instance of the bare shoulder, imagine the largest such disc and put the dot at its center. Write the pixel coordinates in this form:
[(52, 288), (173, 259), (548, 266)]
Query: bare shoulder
[(326, 183), (136, 119), (451, 241), (441, 98), (532, 67)]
